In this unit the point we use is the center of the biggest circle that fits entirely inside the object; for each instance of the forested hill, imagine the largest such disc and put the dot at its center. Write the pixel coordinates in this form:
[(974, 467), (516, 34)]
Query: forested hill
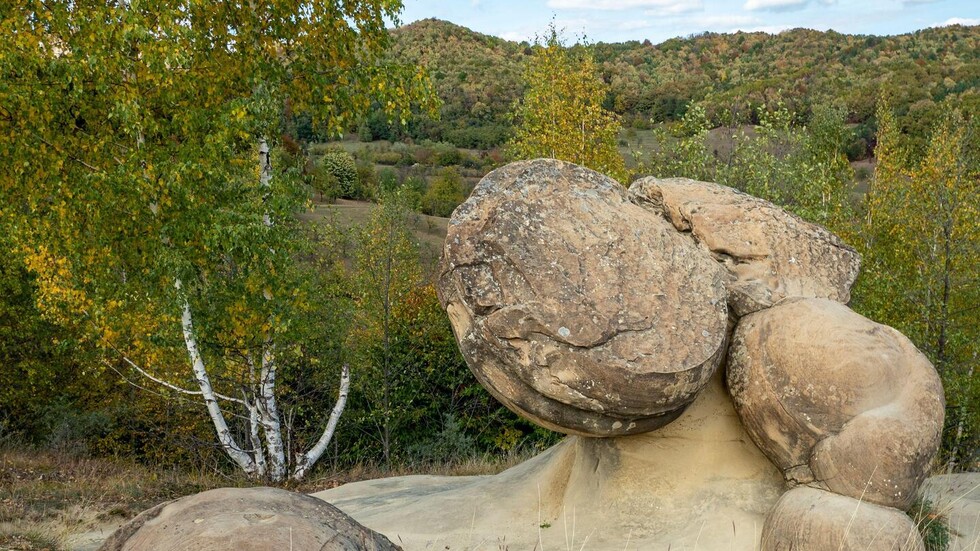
[(478, 76)]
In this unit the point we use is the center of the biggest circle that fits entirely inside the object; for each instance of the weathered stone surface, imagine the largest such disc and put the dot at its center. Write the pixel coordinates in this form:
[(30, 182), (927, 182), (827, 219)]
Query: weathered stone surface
[(698, 483), (807, 519), (577, 308), (245, 519), (835, 400), (770, 253)]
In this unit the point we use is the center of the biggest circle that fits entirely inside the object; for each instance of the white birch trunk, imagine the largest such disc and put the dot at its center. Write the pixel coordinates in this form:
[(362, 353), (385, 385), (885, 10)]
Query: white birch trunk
[(269, 415), (225, 437), (265, 174), (304, 462), (257, 453)]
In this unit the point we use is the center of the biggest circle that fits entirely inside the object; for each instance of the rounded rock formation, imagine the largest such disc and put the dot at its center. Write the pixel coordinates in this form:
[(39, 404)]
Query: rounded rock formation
[(575, 307), (245, 519), (770, 253), (806, 519), (837, 401)]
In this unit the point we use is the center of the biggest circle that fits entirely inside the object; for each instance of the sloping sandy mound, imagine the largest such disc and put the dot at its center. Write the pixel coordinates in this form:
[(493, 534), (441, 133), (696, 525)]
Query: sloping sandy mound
[(699, 482)]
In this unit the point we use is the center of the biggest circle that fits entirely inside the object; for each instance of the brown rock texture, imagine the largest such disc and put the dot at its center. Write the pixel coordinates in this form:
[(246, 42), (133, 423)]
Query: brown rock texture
[(837, 401), (770, 253), (575, 307), (245, 519), (807, 519)]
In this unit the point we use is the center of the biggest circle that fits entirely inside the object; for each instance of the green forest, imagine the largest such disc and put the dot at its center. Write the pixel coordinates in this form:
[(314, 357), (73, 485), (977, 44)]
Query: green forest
[(220, 236)]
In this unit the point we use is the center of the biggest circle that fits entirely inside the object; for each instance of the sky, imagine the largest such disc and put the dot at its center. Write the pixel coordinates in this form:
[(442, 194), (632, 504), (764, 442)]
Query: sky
[(659, 20)]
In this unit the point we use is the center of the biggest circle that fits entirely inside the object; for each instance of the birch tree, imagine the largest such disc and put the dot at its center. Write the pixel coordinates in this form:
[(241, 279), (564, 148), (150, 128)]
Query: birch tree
[(922, 240), (141, 184), (561, 114)]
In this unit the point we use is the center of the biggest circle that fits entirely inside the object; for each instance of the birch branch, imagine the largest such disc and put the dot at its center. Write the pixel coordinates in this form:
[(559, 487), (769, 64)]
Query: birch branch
[(307, 460)]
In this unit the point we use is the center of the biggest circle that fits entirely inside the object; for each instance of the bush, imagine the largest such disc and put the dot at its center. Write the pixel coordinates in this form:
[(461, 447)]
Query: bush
[(367, 181), (413, 189), (388, 181), (479, 137), (930, 524), (388, 158), (424, 155), (339, 165), (449, 157), (323, 183), (445, 193), (450, 445)]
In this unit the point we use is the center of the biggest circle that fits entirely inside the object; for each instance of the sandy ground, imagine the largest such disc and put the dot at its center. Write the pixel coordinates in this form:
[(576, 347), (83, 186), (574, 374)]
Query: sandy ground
[(957, 497)]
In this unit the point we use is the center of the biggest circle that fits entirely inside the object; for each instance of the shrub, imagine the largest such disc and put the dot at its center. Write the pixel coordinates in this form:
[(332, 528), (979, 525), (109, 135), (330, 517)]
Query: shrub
[(449, 157), (450, 445), (367, 181), (388, 181), (388, 158), (339, 165), (324, 183), (445, 193), (424, 155)]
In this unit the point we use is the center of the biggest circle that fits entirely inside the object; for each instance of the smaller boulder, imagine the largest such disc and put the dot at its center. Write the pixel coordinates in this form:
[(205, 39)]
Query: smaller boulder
[(245, 519), (770, 253), (837, 401), (806, 519)]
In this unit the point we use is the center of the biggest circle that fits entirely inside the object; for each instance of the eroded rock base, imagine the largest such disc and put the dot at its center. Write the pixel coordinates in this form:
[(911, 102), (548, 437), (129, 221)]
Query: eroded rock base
[(699, 482)]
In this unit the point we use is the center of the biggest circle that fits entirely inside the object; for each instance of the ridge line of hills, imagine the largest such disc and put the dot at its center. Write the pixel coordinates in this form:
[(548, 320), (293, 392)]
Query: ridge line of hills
[(478, 77)]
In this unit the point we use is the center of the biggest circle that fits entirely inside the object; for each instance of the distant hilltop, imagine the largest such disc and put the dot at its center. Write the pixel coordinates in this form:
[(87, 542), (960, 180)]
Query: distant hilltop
[(478, 76)]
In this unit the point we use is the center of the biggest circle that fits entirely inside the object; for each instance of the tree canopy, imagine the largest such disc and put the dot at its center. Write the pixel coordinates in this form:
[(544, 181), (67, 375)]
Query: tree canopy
[(144, 188), (561, 114)]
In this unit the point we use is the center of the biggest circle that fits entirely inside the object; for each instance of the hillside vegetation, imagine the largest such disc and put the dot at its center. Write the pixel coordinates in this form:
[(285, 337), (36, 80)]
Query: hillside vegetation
[(478, 77)]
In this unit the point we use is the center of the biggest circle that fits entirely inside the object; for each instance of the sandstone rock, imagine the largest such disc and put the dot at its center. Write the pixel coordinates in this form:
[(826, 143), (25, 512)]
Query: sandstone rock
[(835, 400), (806, 519), (770, 253), (245, 519), (698, 483), (575, 307)]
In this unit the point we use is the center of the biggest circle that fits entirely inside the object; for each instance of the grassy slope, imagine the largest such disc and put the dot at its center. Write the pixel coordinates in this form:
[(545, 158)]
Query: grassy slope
[(428, 231)]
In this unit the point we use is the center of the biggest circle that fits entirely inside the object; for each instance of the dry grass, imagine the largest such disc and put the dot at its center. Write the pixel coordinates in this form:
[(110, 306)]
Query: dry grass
[(54, 501), (47, 497)]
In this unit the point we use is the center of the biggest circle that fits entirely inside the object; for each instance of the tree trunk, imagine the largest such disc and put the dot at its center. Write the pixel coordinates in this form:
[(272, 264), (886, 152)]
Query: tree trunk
[(269, 415), (306, 461), (225, 437)]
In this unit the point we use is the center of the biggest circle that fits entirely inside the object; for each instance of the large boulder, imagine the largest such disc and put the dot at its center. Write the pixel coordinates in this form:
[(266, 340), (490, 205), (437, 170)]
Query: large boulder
[(770, 253), (245, 519), (577, 308), (837, 401)]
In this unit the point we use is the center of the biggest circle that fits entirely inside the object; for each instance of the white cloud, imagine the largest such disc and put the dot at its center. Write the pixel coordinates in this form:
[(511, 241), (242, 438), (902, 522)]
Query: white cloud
[(725, 22), (676, 8), (633, 25), (671, 6), (775, 5), (517, 36), (916, 2), (959, 21)]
